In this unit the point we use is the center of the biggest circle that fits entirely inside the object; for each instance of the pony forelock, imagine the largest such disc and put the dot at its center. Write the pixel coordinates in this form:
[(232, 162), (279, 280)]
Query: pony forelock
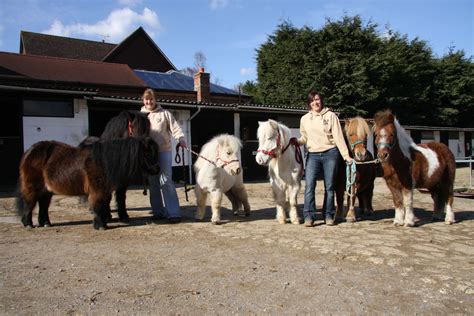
[(358, 126), (273, 127), (210, 150)]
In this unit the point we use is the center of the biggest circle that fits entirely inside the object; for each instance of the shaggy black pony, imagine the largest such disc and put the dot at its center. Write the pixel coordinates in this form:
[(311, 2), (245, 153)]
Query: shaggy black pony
[(125, 124), (96, 170)]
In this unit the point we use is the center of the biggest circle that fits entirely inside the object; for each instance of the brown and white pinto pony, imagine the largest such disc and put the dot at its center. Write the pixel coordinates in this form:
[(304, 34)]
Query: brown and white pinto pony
[(356, 133), (407, 166)]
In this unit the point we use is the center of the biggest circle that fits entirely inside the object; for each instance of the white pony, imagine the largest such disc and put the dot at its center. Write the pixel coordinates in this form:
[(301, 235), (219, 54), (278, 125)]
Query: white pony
[(218, 171), (282, 156)]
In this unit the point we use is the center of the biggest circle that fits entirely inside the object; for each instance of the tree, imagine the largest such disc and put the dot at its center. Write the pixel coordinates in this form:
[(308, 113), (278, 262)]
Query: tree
[(250, 87), (455, 86), (360, 71), (199, 62)]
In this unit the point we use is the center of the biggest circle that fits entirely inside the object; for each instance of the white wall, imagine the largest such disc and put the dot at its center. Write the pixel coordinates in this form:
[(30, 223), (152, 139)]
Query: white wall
[(69, 130), (182, 117), (457, 146)]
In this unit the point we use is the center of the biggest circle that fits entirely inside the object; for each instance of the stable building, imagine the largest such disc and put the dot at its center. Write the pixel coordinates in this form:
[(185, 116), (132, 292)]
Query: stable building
[(67, 89)]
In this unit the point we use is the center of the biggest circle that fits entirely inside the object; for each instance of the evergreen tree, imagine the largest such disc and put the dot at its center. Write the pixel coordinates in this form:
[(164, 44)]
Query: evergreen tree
[(359, 71)]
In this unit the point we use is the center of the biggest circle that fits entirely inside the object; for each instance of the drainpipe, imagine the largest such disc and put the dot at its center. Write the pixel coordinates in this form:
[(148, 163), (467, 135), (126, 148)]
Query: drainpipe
[(190, 142)]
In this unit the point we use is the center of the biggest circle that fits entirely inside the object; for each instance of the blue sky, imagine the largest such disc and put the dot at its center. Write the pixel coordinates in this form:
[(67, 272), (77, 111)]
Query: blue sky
[(228, 32)]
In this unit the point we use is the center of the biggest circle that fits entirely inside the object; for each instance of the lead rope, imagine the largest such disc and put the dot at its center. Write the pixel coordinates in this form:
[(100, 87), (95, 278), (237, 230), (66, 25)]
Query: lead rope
[(351, 173), (144, 183), (180, 159)]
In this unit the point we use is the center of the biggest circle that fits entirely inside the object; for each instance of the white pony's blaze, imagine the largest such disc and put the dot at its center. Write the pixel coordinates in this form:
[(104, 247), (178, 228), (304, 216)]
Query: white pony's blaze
[(222, 174), (284, 170), (269, 141)]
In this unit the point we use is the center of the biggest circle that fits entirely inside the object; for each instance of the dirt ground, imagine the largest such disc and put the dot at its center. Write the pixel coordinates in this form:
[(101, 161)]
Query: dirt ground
[(245, 266)]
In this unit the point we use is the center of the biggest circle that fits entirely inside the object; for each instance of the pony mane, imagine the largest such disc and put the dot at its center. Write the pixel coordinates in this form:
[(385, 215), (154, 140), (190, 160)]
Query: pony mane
[(383, 118), (405, 141), (119, 158), (210, 149), (119, 124), (357, 126)]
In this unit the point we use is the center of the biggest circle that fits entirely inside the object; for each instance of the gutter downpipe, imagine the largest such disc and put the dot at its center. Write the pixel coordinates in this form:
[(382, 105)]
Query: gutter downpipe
[(188, 122)]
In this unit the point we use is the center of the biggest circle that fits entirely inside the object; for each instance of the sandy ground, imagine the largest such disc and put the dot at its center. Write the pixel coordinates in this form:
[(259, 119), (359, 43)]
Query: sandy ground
[(245, 266)]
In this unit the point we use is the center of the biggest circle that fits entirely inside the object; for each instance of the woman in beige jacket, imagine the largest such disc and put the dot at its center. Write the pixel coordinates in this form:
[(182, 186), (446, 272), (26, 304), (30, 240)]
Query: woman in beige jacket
[(321, 132), (163, 197)]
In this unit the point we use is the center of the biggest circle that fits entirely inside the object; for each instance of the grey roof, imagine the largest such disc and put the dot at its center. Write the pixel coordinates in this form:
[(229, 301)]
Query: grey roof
[(173, 80)]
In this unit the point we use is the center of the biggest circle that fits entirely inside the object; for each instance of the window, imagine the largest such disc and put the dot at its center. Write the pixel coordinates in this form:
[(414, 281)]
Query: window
[(50, 108), (427, 135), (453, 135)]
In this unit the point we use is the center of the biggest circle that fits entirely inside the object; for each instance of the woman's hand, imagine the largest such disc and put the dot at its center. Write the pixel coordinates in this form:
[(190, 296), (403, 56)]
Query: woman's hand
[(182, 143)]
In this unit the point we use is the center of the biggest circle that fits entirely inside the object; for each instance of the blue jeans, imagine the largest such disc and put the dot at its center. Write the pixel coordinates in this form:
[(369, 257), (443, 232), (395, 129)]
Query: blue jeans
[(163, 197), (322, 164)]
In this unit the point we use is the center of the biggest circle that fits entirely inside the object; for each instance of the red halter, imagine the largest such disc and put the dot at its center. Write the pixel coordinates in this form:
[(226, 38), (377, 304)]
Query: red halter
[(272, 153), (130, 129)]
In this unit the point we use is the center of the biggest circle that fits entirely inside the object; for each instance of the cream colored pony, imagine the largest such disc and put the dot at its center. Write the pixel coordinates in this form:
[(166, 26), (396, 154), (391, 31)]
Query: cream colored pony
[(218, 171), (282, 156)]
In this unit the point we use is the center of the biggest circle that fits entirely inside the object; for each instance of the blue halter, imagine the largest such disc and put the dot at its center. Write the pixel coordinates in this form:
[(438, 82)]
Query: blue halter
[(357, 142)]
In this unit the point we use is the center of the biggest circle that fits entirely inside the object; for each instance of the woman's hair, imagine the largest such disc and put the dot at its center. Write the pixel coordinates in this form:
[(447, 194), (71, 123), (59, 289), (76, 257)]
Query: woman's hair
[(149, 94), (311, 96)]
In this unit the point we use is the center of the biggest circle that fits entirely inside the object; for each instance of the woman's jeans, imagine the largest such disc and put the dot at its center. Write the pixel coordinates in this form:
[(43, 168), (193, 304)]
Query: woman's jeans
[(163, 197), (318, 165)]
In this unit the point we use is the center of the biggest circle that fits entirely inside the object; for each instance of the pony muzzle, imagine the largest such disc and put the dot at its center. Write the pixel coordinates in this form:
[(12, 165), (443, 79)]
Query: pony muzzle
[(383, 156), (235, 171)]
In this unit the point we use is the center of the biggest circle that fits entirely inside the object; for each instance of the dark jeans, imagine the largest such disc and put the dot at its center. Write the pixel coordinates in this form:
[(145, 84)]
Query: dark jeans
[(317, 165)]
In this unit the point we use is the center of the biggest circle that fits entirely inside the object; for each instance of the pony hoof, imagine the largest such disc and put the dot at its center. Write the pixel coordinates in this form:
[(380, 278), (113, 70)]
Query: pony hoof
[(449, 222), (409, 225), (198, 220), (99, 227), (124, 219), (29, 227), (350, 220), (235, 213), (247, 213), (282, 221), (216, 222), (47, 225), (296, 222)]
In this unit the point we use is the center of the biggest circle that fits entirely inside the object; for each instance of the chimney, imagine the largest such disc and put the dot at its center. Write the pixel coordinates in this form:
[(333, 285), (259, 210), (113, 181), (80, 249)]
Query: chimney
[(202, 86)]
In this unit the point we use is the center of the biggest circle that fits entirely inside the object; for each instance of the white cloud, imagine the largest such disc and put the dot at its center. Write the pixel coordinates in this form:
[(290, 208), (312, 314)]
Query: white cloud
[(119, 24), (247, 71), (217, 4)]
